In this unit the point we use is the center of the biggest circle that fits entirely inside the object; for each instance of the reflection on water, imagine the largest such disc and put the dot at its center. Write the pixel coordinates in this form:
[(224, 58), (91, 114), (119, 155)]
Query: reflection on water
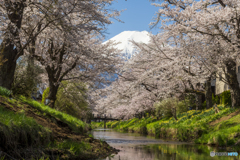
[(137, 147)]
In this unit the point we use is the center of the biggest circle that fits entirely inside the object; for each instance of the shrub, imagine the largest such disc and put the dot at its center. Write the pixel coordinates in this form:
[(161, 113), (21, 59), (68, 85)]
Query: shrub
[(167, 106), (163, 108), (27, 77), (215, 99), (5, 92), (183, 106), (45, 95), (225, 98), (71, 99)]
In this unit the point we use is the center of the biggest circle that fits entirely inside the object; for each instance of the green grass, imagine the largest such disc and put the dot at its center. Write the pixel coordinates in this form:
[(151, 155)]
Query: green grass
[(223, 134), (73, 148), (110, 124), (22, 137), (75, 124), (5, 92), (190, 126), (17, 131), (114, 124), (97, 124), (152, 127), (10, 119), (132, 125), (126, 124), (141, 125)]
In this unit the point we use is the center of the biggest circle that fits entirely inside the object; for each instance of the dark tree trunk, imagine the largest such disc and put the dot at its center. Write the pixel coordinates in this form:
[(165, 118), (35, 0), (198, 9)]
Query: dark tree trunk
[(174, 112), (208, 93), (198, 101), (8, 50), (53, 86), (231, 77), (8, 68), (52, 96)]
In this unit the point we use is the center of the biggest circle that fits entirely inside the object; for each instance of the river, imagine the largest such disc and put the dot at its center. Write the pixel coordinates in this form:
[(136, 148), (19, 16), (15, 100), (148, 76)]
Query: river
[(134, 146)]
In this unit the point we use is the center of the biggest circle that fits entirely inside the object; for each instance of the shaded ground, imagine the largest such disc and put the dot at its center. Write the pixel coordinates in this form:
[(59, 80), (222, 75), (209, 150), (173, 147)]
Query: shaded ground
[(60, 132)]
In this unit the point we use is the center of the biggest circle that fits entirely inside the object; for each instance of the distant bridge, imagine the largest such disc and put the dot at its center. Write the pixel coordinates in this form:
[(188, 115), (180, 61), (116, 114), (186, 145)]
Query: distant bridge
[(106, 118), (103, 118)]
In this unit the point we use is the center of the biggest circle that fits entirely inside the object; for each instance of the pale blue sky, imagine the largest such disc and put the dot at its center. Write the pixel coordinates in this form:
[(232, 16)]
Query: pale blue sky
[(137, 17)]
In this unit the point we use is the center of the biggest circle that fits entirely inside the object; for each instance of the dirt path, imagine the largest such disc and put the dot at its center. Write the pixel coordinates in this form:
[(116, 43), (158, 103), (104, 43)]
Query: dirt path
[(224, 118)]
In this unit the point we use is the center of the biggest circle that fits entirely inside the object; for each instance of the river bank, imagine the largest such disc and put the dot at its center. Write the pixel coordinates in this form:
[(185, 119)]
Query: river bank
[(200, 127), (31, 130)]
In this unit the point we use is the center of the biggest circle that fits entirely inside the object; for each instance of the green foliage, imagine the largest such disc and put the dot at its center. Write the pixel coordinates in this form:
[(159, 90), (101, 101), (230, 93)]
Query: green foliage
[(191, 98), (164, 108), (97, 124), (114, 124), (75, 148), (71, 99), (215, 99), (225, 98), (77, 125), (5, 92), (190, 126), (124, 125), (223, 134), (182, 106), (19, 132), (90, 135), (141, 125), (45, 95), (26, 77)]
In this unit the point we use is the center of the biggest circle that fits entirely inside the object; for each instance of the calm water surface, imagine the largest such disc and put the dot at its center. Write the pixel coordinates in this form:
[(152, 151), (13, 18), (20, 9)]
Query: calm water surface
[(133, 146)]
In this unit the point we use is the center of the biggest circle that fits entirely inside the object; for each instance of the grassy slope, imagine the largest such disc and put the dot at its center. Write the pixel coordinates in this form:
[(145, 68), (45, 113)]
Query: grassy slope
[(75, 124), (29, 129), (204, 127)]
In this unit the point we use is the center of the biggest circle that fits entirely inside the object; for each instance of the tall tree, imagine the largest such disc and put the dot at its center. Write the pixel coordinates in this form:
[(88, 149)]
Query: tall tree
[(213, 23), (22, 21), (158, 71), (85, 61)]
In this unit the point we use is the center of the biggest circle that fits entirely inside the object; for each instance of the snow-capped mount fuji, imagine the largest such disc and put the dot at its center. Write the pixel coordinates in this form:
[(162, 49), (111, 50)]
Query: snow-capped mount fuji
[(128, 49)]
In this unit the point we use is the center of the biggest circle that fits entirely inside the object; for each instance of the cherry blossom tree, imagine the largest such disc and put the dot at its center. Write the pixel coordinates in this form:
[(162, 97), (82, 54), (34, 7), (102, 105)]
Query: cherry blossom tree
[(200, 37), (215, 25), (66, 60), (165, 67), (197, 39), (23, 22)]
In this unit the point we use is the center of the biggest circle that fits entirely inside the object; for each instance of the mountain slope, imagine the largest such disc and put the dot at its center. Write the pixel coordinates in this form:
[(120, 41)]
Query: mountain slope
[(128, 49)]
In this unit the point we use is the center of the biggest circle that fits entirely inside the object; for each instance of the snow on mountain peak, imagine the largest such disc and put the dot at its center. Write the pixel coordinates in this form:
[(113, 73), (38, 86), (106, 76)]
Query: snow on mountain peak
[(125, 37)]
